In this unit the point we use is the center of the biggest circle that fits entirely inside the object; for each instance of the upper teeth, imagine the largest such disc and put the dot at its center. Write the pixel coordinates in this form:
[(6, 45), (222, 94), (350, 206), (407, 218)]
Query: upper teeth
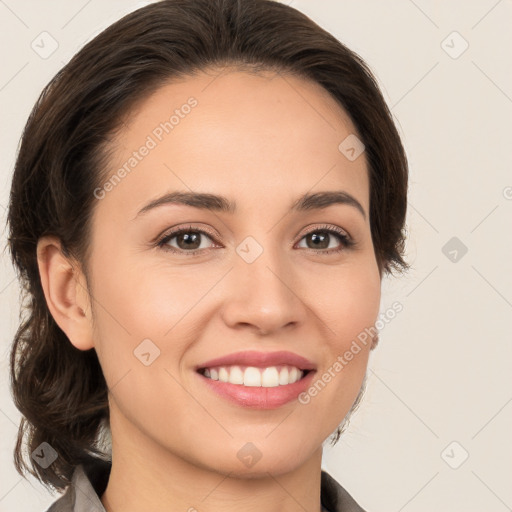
[(252, 376)]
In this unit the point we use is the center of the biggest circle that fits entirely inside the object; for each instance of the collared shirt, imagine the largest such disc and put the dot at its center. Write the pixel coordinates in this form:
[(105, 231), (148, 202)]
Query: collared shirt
[(90, 481)]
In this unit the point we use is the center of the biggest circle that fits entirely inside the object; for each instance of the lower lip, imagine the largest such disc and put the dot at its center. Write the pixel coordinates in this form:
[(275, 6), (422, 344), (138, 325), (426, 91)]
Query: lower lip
[(259, 397)]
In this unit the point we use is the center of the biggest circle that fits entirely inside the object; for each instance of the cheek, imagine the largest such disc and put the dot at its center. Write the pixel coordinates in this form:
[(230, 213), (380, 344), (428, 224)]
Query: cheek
[(347, 300), (357, 308), (347, 306), (146, 301), (135, 303)]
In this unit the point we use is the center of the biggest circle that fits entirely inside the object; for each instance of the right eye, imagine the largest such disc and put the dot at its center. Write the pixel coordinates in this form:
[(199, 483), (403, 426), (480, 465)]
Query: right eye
[(188, 240)]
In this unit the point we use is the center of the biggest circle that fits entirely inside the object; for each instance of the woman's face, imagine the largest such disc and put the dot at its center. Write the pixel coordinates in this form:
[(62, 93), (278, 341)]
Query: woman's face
[(258, 279)]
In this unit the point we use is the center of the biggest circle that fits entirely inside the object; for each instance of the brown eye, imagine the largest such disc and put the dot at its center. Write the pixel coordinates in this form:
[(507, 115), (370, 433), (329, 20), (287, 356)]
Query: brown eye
[(321, 240), (187, 240)]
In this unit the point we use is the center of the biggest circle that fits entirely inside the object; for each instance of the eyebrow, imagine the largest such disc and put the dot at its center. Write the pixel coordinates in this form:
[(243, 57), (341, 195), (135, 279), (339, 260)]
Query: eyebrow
[(213, 202)]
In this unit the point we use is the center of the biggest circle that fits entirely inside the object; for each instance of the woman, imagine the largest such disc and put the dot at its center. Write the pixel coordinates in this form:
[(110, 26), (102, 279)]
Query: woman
[(204, 203)]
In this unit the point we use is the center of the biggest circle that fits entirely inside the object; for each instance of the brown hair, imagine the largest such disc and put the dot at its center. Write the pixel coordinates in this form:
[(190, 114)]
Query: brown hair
[(60, 390)]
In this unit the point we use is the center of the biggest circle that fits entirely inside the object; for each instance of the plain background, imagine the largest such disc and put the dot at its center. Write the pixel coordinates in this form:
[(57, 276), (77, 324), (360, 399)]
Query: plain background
[(433, 431)]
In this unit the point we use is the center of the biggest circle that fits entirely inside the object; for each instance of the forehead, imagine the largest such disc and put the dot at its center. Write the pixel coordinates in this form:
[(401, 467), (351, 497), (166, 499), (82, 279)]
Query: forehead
[(241, 135)]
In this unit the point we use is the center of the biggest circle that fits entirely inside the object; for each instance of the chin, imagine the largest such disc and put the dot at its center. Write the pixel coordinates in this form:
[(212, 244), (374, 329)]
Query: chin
[(251, 460)]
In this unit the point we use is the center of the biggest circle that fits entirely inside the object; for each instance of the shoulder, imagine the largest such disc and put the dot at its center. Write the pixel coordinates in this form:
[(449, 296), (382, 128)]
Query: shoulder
[(91, 480), (65, 503), (335, 498)]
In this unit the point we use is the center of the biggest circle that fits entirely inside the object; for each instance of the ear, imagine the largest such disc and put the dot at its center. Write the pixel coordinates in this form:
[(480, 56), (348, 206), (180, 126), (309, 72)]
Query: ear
[(65, 290)]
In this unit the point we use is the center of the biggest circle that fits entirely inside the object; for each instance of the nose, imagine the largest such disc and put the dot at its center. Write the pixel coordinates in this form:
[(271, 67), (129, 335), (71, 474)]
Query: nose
[(264, 295)]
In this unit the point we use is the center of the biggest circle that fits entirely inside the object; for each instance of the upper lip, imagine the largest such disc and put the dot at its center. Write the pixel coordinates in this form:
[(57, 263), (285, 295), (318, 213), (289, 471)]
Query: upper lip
[(260, 359)]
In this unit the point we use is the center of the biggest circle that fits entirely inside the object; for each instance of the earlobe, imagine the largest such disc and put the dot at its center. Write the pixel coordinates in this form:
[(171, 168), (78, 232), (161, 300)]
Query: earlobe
[(65, 291)]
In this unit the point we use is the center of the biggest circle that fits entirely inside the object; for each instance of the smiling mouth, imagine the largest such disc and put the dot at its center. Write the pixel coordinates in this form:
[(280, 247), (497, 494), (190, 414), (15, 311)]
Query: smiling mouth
[(252, 376)]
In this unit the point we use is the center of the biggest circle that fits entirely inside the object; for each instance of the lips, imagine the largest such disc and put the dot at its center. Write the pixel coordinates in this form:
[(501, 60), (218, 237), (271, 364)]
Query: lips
[(259, 360), (258, 397)]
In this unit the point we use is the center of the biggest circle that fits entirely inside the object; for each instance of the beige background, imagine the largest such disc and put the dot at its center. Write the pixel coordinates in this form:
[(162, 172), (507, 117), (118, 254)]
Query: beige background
[(439, 385)]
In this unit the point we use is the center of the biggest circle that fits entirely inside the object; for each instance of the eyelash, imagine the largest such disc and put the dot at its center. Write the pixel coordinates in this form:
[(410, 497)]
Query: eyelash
[(346, 241)]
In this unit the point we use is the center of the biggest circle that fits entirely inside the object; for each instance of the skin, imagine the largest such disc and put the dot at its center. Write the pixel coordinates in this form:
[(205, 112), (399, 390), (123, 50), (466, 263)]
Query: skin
[(262, 140)]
